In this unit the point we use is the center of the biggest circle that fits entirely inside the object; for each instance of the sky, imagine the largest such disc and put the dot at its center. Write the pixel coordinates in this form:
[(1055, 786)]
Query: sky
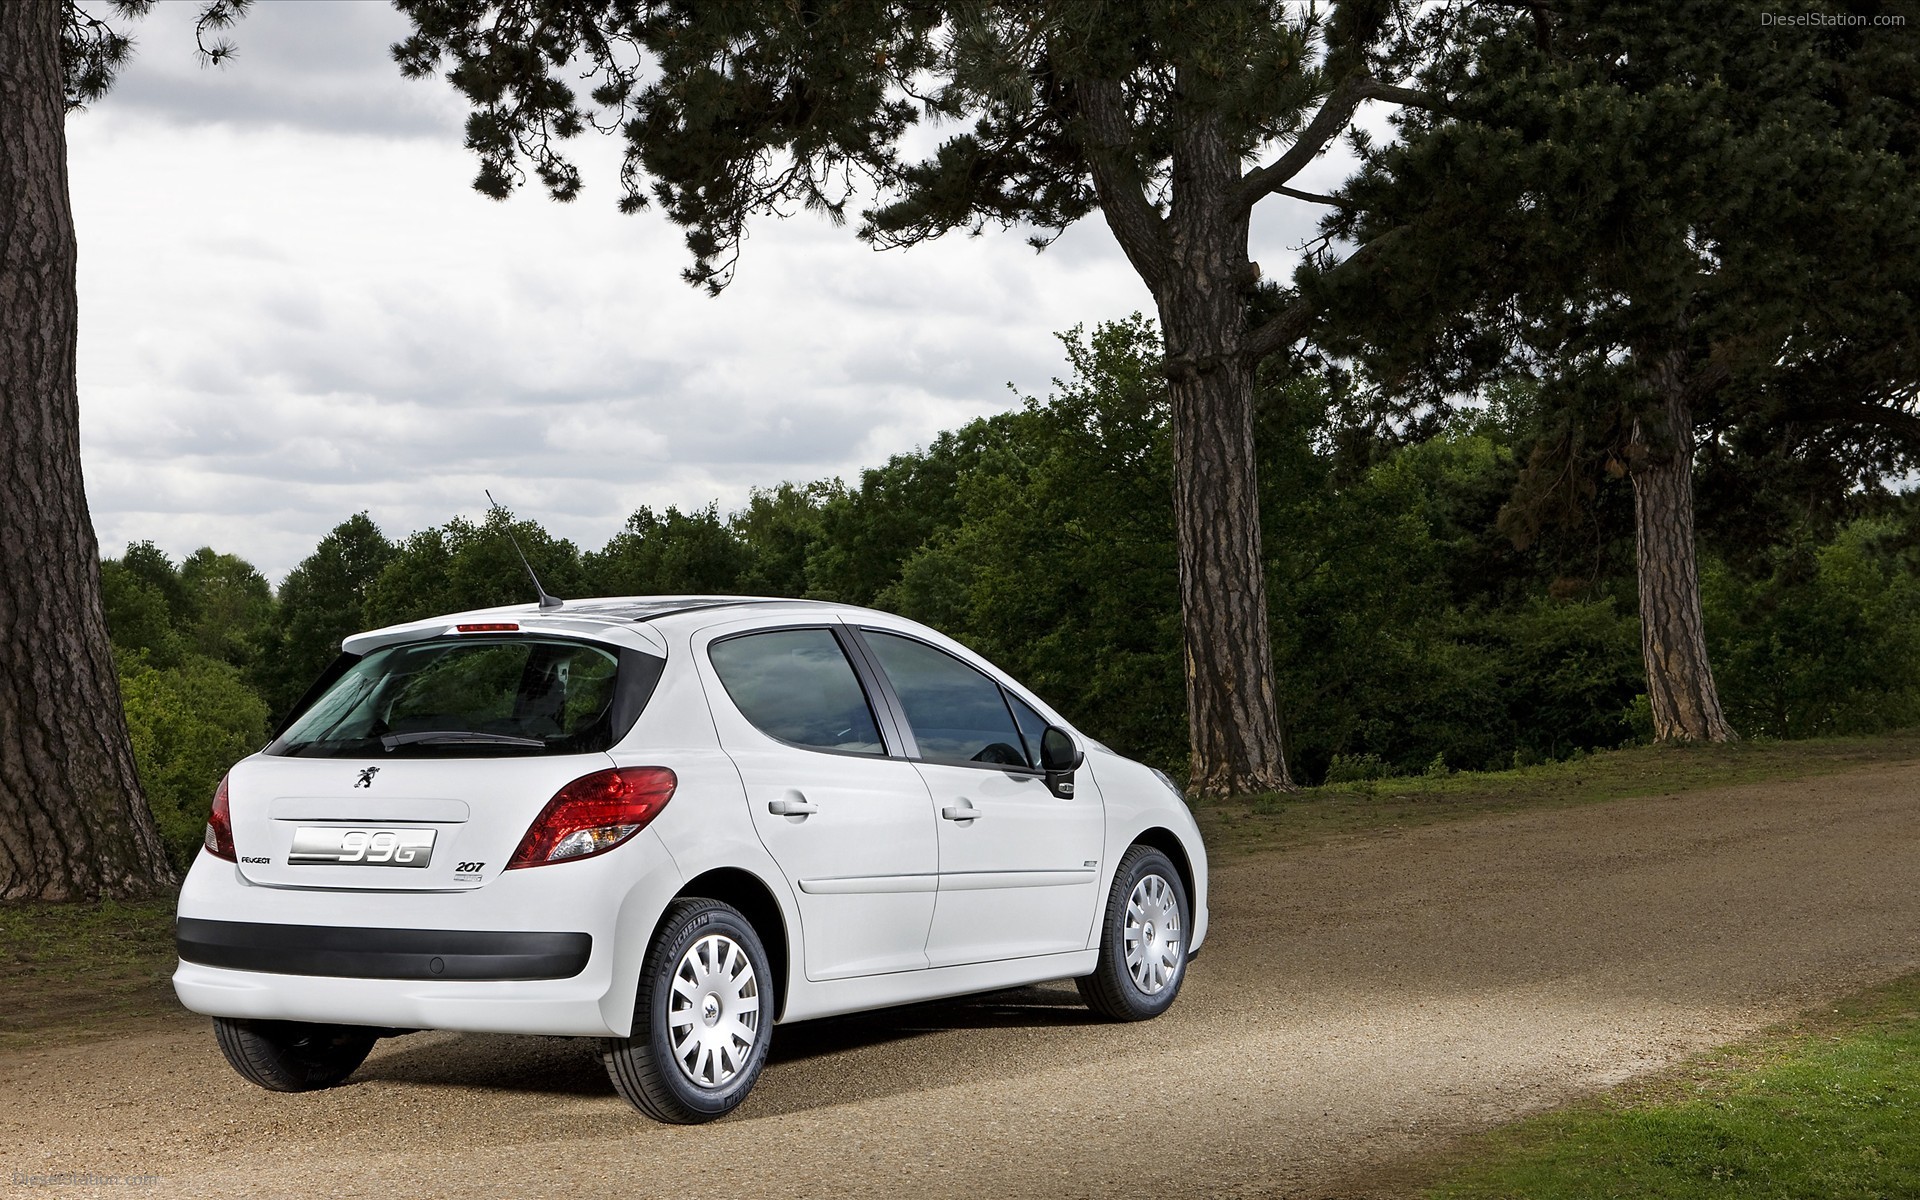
[(294, 308)]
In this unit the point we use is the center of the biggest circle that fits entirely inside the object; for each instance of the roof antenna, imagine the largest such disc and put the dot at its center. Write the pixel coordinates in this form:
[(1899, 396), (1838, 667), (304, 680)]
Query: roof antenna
[(546, 601)]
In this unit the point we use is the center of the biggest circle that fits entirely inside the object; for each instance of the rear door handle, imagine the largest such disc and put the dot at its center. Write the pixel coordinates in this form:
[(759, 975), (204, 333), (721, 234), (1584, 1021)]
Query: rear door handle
[(793, 804), (953, 812)]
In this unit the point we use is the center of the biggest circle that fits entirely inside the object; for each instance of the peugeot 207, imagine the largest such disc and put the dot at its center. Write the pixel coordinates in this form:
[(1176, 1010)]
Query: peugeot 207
[(669, 823)]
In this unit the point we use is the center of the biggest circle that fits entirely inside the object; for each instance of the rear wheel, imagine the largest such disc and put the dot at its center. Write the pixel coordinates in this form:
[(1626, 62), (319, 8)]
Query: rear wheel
[(293, 1056), (1143, 940), (702, 1017)]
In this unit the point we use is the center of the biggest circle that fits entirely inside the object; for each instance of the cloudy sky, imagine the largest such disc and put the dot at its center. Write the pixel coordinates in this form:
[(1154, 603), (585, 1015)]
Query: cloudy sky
[(294, 308)]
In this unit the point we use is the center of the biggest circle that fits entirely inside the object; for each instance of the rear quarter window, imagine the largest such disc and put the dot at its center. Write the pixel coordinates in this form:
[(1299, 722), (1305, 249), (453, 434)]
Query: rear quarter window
[(796, 685)]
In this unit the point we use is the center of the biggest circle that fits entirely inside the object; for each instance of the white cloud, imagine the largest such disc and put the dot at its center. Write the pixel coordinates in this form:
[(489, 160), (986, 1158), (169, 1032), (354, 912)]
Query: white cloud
[(294, 307)]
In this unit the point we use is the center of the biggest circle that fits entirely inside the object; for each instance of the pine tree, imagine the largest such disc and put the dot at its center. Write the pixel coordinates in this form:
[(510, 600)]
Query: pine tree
[(1684, 221), (1171, 119)]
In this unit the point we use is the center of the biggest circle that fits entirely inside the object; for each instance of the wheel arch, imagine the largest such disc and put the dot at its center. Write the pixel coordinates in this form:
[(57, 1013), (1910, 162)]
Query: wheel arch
[(1168, 843), (747, 892)]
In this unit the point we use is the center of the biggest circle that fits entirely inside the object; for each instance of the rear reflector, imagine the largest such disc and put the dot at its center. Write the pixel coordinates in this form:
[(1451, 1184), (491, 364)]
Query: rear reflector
[(593, 814), (490, 627)]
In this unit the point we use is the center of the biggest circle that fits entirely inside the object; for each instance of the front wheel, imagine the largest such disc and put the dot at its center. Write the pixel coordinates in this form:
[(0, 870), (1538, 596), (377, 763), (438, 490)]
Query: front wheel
[(293, 1056), (1143, 940), (701, 1019)]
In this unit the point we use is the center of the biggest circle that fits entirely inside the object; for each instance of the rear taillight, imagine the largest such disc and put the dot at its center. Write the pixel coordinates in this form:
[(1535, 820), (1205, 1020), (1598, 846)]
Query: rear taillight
[(219, 839), (593, 814)]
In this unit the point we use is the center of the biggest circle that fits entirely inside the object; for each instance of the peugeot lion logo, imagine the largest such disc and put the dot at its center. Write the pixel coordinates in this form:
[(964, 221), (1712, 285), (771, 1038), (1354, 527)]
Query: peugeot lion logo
[(366, 777)]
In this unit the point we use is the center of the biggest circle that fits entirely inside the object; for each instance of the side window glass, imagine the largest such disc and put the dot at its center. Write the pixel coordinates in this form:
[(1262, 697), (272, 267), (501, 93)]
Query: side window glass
[(797, 685), (1032, 725), (956, 713)]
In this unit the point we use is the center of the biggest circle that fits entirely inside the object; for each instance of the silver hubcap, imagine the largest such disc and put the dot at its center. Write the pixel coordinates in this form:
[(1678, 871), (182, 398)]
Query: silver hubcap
[(713, 1016), (1153, 935)]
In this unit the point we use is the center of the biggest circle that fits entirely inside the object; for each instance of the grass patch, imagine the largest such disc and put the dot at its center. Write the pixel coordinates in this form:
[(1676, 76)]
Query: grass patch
[(1826, 1106), (1370, 806), (74, 969)]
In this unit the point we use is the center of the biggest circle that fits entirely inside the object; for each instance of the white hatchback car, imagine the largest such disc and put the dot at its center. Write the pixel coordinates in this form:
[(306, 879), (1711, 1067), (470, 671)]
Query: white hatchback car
[(669, 823)]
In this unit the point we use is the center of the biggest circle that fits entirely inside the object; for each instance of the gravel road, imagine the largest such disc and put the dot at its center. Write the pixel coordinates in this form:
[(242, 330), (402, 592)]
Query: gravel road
[(1360, 1003)]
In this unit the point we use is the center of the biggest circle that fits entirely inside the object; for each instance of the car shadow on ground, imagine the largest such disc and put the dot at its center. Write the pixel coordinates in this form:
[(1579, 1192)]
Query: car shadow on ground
[(1042, 1006), (868, 1047)]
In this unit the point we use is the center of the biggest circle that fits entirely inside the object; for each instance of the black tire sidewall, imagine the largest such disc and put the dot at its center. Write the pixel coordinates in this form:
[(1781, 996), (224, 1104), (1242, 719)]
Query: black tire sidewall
[(1145, 861), (707, 918), (293, 1056)]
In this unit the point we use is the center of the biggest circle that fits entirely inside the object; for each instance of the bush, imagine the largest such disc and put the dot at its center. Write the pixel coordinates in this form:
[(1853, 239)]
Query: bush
[(1356, 768), (1827, 642), (189, 723)]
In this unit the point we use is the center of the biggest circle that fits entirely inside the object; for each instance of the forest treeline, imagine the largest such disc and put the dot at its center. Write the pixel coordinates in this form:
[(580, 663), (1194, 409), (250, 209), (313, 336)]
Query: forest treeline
[(1420, 619)]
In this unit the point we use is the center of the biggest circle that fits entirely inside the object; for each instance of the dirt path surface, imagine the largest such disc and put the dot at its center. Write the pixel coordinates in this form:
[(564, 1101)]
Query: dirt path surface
[(1357, 1003)]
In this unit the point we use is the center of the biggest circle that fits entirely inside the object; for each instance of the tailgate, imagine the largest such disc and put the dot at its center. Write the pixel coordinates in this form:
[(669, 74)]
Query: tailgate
[(414, 824)]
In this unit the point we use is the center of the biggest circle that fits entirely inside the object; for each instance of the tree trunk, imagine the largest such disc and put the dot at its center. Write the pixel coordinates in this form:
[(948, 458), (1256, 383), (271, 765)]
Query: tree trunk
[(1233, 719), (1193, 257), (1673, 640), (73, 822)]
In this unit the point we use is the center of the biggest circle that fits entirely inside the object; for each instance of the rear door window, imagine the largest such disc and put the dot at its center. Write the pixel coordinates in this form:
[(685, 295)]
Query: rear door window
[(797, 685), (472, 695), (957, 713)]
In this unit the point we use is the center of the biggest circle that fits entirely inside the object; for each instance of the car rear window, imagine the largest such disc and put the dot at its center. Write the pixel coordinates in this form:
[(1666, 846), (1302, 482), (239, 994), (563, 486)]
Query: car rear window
[(466, 697)]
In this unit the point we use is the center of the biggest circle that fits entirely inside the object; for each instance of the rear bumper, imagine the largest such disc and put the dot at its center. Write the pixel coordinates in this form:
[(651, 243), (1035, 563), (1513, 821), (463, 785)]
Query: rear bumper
[(550, 950), (560, 1008), (358, 953)]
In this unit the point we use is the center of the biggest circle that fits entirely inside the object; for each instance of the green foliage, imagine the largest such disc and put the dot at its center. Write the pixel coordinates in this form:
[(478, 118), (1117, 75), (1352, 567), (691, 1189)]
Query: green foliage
[(321, 601), (1051, 544), (779, 528), (231, 606), (1618, 185), (462, 566), (138, 614), (676, 553), (189, 723), (213, 605), (867, 534), (1827, 640), (762, 108), (1355, 768), (1405, 626), (1409, 633)]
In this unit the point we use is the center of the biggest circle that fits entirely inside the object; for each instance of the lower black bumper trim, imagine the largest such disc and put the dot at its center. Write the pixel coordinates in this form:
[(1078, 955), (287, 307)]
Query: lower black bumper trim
[(344, 952)]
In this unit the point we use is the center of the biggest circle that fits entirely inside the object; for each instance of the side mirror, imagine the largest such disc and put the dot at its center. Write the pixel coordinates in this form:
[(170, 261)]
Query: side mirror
[(1060, 756)]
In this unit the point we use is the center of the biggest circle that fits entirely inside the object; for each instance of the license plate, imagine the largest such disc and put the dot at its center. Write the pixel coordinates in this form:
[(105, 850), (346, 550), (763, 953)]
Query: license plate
[(362, 847)]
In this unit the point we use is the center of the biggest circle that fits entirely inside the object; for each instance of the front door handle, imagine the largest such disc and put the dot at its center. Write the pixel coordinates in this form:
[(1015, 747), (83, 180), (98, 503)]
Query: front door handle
[(793, 804), (955, 813)]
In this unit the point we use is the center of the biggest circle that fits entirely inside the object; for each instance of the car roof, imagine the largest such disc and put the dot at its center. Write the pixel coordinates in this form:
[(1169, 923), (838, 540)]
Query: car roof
[(609, 614)]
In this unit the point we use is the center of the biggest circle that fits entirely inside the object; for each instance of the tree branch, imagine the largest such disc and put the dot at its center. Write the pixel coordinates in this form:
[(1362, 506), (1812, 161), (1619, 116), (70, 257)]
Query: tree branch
[(1312, 197), (1403, 96), (1896, 421), (1295, 321), (1281, 330), (1336, 112), (1108, 143)]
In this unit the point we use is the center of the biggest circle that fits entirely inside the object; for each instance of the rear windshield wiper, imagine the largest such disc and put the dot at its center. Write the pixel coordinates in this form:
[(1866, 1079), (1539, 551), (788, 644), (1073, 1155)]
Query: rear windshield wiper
[(450, 737)]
